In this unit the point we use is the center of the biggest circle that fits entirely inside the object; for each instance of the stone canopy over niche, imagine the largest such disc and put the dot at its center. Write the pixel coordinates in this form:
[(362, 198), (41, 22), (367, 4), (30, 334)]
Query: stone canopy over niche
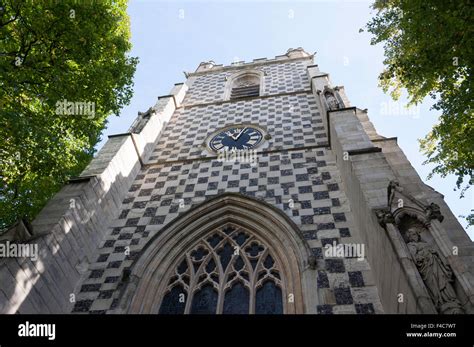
[(433, 271), (332, 98)]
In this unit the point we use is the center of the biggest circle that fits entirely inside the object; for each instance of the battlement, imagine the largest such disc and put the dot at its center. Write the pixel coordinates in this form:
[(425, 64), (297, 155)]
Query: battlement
[(210, 66)]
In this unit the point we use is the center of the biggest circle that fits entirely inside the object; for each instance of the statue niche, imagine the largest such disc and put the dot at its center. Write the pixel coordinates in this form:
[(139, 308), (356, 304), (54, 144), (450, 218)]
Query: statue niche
[(331, 100), (434, 270)]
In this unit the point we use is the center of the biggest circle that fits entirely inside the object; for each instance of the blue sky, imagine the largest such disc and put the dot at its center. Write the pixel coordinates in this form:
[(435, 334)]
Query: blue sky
[(170, 37)]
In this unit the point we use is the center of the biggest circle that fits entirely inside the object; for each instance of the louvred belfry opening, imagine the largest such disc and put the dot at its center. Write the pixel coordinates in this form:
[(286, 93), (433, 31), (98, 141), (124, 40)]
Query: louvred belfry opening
[(245, 86)]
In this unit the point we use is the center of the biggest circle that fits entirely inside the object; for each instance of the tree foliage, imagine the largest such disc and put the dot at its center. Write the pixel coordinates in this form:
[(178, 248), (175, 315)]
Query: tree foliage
[(50, 52), (429, 51)]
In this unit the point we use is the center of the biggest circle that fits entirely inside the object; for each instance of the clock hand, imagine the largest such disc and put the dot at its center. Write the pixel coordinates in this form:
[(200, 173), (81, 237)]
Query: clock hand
[(230, 134), (240, 133)]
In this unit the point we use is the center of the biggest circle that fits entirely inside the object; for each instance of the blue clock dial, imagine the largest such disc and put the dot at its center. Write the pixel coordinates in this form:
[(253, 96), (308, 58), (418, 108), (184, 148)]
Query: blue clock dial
[(236, 138)]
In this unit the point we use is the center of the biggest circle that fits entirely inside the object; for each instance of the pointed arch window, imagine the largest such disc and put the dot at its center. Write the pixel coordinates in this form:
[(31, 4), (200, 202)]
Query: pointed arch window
[(228, 271)]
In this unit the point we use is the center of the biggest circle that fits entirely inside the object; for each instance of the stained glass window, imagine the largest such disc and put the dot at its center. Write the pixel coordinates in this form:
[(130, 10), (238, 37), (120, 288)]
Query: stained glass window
[(229, 271)]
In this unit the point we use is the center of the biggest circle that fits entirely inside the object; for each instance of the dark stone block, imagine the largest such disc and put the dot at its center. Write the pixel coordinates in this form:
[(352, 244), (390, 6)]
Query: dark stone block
[(102, 258), (150, 212), (123, 214), (139, 204), (125, 236), (157, 220), (273, 180), (321, 195), (339, 217), (323, 281), (166, 202), (343, 296), (232, 184), (114, 264), (329, 241), (253, 182), (119, 249), (105, 294), (356, 279), (324, 309), (335, 265), (82, 305), (322, 210), (91, 287), (170, 190), (145, 192), (212, 186), (134, 187), (132, 222), (112, 279), (321, 163), (365, 308), (326, 175), (344, 232), (325, 226), (109, 243), (317, 252), (96, 273), (305, 189), (202, 180), (302, 177), (317, 182)]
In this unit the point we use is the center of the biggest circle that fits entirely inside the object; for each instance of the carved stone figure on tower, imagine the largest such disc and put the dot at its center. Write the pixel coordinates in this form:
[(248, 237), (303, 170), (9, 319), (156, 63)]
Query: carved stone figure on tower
[(436, 274)]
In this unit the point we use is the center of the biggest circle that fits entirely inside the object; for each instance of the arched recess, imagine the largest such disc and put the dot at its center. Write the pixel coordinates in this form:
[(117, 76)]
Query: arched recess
[(148, 280), (428, 257), (256, 76)]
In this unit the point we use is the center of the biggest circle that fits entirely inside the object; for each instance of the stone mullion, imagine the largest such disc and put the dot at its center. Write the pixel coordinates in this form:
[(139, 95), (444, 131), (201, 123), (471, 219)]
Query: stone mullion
[(187, 307), (222, 284), (255, 277)]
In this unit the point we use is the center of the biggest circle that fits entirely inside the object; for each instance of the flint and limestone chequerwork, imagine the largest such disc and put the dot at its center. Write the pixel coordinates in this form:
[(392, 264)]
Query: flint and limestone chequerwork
[(160, 223)]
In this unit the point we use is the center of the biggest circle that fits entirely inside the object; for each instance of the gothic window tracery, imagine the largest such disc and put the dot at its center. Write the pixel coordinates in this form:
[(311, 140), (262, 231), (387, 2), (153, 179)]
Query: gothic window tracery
[(228, 271)]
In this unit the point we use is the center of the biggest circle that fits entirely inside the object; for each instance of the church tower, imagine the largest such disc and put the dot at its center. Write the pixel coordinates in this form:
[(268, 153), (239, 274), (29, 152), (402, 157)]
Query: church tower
[(250, 188)]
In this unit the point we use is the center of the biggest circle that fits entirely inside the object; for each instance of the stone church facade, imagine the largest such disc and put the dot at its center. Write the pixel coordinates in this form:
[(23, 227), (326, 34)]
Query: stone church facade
[(319, 214)]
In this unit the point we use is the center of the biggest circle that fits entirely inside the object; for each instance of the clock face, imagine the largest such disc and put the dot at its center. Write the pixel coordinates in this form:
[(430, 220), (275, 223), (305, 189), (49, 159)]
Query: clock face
[(236, 138)]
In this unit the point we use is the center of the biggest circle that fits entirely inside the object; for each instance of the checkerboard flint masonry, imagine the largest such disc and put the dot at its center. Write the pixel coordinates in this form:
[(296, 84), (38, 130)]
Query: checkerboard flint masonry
[(167, 218)]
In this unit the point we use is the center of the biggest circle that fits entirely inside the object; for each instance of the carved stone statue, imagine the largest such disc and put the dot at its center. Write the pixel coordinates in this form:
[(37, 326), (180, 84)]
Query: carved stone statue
[(141, 120), (332, 101), (436, 274)]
